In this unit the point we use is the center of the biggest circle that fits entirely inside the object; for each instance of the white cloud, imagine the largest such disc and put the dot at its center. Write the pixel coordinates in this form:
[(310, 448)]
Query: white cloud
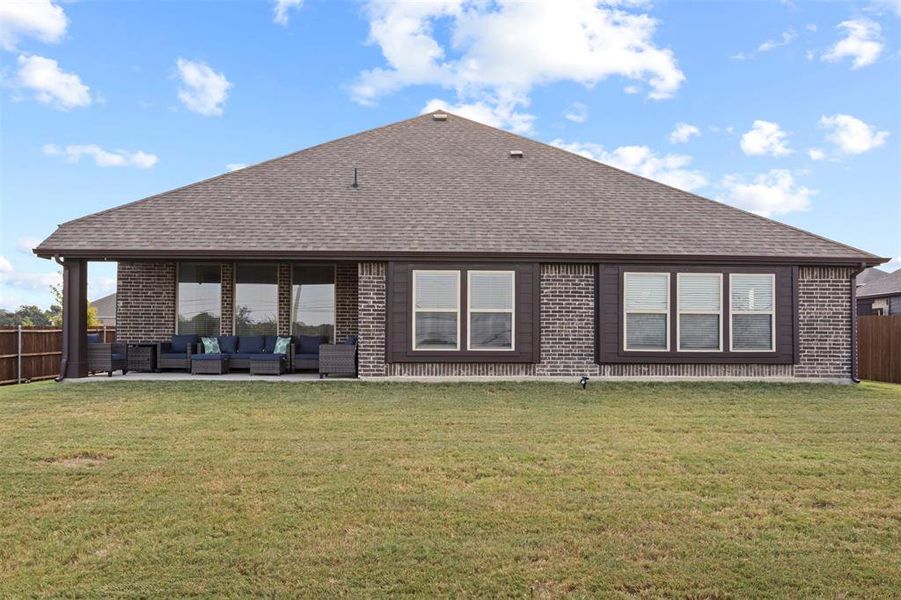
[(103, 158), (577, 113), (494, 112), (281, 10), (851, 135), (484, 64), (39, 19), (880, 6), (768, 194), (50, 84), (235, 166), (24, 280), (863, 43), (765, 137), (683, 132), (25, 244), (670, 169), (785, 39), (816, 154), (204, 91)]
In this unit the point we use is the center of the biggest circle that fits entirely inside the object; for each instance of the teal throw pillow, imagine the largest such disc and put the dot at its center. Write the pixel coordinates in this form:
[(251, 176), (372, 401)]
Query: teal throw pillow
[(210, 345), (281, 345)]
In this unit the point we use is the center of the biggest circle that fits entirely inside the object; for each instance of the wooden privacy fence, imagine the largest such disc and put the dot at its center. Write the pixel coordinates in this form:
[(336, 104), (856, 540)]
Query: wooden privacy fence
[(879, 348), (33, 353)]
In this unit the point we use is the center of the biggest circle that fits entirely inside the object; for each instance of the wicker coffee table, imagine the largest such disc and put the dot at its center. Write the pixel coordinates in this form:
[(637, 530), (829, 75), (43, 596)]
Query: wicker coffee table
[(209, 364), (267, 364)]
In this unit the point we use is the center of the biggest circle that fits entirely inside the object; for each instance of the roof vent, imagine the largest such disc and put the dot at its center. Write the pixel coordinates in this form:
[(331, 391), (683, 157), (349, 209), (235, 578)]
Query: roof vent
[(439, 116), (515, 153)]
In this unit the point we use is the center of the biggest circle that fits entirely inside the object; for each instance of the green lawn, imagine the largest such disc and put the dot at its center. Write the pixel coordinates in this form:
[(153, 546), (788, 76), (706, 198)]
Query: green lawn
[(267, 489)]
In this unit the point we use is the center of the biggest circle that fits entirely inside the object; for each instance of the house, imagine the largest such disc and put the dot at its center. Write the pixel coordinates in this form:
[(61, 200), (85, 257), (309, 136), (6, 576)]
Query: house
[(455, 249), (106, 309), (879, 293)]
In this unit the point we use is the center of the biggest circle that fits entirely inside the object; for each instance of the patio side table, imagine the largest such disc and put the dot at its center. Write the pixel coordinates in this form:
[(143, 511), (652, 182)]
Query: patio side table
[(142, 357)]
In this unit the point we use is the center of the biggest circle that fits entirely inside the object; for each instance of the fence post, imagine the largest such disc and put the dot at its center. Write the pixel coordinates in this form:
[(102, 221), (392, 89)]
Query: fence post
[(19, 354), (104, 334)]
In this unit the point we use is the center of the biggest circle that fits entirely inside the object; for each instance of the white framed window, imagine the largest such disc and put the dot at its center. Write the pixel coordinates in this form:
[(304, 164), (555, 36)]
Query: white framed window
[(490, 310), (699, 302), (436, 310), (646, 307), (753, 312)]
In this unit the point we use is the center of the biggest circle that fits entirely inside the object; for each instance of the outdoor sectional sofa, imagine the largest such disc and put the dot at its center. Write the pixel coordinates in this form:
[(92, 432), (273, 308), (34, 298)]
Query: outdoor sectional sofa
[(303, 351)]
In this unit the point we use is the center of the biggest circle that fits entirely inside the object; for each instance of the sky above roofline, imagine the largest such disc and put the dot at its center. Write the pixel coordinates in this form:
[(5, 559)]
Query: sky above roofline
[(789, 110)]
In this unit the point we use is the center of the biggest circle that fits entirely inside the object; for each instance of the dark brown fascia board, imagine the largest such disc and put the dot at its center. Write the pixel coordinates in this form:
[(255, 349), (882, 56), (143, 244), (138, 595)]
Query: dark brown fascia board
[(115, 255)]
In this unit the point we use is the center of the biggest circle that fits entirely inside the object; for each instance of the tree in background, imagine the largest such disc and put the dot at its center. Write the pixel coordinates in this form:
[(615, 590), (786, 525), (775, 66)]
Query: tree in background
[(55, 314)]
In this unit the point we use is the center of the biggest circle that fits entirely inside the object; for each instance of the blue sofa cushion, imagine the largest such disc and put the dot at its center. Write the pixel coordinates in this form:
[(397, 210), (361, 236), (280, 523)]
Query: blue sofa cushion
[(308, 344), (241, 355), (93, 338), (209, 356), (228, 344), (180, 343), (174, 355), (250, 343), (266, 357), (269, 343), (118, 356), (351, 340), (313, 356)]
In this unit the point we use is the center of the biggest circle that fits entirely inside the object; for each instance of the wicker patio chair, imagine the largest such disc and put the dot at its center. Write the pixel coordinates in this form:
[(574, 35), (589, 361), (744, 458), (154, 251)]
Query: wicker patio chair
[(167, 359), (107, 357), (338, 359)]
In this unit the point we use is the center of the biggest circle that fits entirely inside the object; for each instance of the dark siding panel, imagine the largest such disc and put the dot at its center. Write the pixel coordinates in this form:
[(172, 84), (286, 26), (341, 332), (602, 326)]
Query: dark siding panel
[(610, 326), (400, 314)]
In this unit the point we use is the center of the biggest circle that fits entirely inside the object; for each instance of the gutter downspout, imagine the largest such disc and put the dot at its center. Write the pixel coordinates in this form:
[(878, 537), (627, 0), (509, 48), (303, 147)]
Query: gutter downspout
[(854, 275), (64, 359)]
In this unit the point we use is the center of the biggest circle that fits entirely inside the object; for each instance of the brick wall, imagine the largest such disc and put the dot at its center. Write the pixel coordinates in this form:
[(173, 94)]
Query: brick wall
[(145, 301), (824, 322), (226, 325), (284, 299), (346, 301), (567, 320), (371, 318)]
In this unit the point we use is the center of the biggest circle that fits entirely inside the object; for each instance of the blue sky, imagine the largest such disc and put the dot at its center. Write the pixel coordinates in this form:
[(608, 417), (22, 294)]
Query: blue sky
[(789, 109)]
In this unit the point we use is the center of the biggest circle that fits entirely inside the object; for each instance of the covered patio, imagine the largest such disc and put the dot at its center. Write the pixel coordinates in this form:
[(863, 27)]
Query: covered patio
[(203, 303)]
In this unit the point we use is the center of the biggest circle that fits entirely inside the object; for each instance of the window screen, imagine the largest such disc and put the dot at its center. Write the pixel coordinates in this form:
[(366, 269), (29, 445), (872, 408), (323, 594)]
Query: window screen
[(491, 310), (646, 311), (199, 298), (700, 304), (256, 299), (436, 310), (753, 312)]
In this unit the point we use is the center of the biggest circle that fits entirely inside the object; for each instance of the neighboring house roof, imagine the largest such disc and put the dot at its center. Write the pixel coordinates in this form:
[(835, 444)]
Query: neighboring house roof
[(870, 275), (433, 187), (889, 285), (106, 309)]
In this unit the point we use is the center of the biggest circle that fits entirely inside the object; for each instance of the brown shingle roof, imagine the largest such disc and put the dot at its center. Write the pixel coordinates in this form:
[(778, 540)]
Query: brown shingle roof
[(441, 187)]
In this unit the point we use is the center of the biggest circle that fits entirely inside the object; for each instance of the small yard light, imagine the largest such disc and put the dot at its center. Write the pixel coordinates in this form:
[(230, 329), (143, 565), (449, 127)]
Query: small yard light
[(584, 381)]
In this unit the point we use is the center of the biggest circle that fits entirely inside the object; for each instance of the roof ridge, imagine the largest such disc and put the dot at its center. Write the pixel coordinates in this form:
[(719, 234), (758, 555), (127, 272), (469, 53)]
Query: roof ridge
[(244, 169), (692, 194)]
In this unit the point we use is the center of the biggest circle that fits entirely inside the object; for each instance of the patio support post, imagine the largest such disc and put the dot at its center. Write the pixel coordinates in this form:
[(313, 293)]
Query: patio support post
[(74, 361)]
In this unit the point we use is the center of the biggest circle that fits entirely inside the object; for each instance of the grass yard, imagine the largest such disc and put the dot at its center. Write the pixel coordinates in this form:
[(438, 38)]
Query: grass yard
[(627, 489)]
